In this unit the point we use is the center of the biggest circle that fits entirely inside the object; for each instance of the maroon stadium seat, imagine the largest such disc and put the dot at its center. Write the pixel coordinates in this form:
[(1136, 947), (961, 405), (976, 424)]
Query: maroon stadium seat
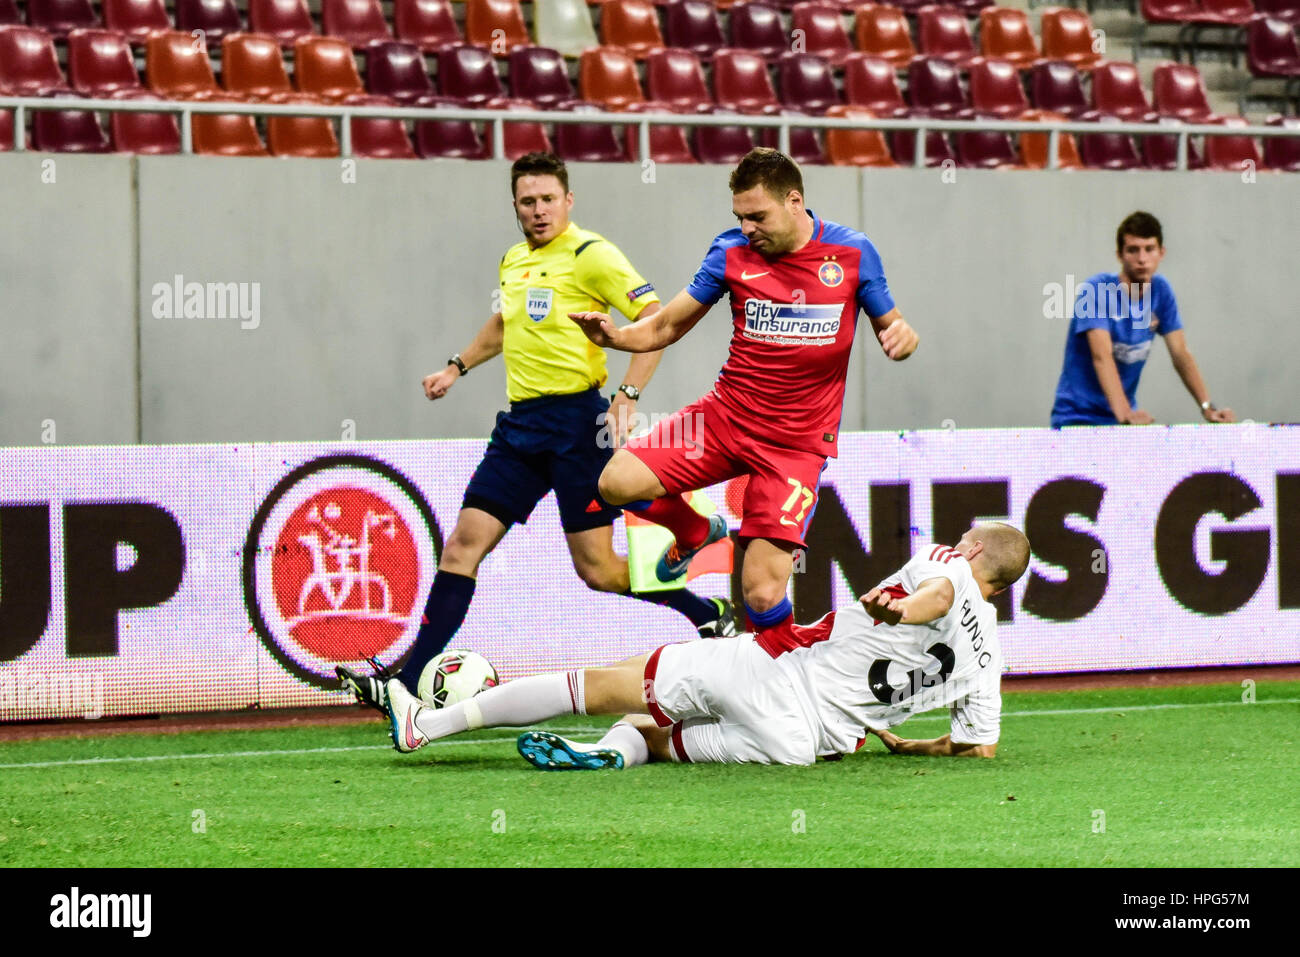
[(995, 89), (937, 150), (1232, 153), (9, 15), (1161, 152), (324, 66), (608, 76), (541, 75), (741, 83), (1067, 36), (68, 131), (588, 142), (882, 31), (693, 25), (6, 131), (722, 144), (1112, 151), (215, 18), (521, 138), (668, 144), (870, 82), (1227, 12), (396, 70), (150, 133), (757, 26), (1271, 49), (1056, 86), (805, 148), (1117, 91), (632, 25), (1281, 153), (676, 78), (468, 74), (985, 149), (100, 64), (379, 139), (28, 63), (942, 32), (823, 31), (57, 18), (428, 23), (286, 20), (1288, 10), (360, 22), (135, 19), (452, 139), (806, 83), (934, 85), (1179, 92)]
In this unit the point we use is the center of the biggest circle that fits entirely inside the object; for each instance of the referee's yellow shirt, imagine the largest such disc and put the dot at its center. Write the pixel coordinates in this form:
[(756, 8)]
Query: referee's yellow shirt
[(546, 352)]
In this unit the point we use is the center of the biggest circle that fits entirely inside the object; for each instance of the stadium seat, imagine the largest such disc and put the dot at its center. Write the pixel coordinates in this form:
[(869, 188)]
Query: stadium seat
[(1067, 35), (882, 31), (1110, 151), (1232, 153), (1271, 53), (675, 77), (379, 139), (1288, 10), (1117, 91), (724, 145), (497, 25), (360, 22), (1235, 13), (1179, 13), (1179, 92), (588, 142), (28, 63), (540, 75), (144, 133), (468, 75), (9, 16), (252, 66), (1055, 86), (995, 89), (1033, 146), (934, 86), (521, 138), (937, 149), (57, 18), (429, 24), (608, 76), (757, 27), (6, 131), (1161, 152), (693, 25), (741, 83), (1281, 153), (178, 69), (396, 70), (805, 148), (285, 20), (307, 136), (324, 66), (135, 19), (451, 139), (806, 83), (68, 131), (100, 64), (226, 134), (668, 144), (632, 25), (969, 8), (215, 18), (985, 149), (870, 82), (1005, 33), (856, 147), (942, 32), (823, 31), (564, 25)]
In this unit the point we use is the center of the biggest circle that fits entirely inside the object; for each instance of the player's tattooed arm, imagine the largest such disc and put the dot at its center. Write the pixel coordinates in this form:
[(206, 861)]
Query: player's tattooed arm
[(944, 747), (897, 338), (931, 601), (649, 334)]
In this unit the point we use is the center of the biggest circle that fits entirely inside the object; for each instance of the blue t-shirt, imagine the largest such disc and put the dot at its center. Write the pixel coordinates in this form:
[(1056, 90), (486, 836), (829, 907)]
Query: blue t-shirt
[(1103, 302)]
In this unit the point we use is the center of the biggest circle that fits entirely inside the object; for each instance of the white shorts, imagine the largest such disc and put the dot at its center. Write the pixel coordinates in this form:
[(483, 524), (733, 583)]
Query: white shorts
[(727, 701)]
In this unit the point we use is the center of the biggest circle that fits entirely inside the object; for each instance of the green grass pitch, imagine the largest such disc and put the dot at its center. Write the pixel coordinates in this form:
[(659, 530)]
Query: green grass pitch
[(1184, 776)]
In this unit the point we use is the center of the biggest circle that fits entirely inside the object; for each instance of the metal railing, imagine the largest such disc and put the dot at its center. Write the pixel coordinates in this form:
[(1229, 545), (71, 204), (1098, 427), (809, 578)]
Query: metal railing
[(186, 109)]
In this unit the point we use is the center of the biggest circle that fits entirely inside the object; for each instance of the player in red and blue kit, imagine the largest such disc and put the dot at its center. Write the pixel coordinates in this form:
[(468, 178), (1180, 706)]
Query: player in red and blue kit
[(796, 283)]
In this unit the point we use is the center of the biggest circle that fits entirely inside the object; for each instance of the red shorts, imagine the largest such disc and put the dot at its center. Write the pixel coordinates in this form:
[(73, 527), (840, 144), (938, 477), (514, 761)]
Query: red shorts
[(704, 444)]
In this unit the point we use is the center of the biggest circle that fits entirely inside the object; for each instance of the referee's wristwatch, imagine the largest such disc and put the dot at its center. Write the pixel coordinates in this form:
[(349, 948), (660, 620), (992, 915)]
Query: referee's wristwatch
[(459, 364), (631, 391)]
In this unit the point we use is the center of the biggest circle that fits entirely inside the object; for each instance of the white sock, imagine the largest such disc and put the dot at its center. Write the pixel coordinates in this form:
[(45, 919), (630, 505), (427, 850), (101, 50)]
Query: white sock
[(628, 741), (518, 703)]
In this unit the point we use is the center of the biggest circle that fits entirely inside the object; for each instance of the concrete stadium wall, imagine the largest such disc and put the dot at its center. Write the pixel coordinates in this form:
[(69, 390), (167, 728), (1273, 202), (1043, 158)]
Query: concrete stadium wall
[(367, 282)]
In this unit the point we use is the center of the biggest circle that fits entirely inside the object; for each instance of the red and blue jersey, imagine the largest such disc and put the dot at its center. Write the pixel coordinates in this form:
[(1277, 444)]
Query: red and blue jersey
[(794, 319)]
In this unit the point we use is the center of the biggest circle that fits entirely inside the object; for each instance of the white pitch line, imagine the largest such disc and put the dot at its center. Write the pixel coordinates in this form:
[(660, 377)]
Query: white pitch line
[(449, 742)]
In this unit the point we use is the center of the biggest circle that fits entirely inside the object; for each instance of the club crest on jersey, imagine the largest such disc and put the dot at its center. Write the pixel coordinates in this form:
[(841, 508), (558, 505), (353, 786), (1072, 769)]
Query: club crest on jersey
[(831, 274), (537, 303)]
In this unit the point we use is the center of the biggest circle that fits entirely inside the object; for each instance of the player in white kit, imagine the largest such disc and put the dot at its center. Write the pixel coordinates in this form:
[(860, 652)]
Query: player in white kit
[(925, 638)]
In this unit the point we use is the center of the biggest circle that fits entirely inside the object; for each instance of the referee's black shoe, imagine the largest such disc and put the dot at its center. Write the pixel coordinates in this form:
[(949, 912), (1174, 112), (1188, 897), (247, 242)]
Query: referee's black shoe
[(369, 689), (724, 626)]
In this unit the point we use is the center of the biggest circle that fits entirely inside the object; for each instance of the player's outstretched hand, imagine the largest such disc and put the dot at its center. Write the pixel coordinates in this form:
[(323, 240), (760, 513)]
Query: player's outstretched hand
[(883, 606), (437, 384), (899, 340), (888, 738), (597, 326)]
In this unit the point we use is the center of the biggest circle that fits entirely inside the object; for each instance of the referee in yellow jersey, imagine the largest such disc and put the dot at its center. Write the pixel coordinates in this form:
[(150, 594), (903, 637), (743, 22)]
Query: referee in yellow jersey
[(551, 437)]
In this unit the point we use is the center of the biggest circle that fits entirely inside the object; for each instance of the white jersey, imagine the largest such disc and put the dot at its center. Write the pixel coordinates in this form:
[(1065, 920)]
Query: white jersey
[(854, 673)]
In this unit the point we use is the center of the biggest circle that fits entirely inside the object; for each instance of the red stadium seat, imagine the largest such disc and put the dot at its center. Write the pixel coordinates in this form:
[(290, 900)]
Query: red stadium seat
[(821, 29), (1005, 33), (521, 138), (588, 142), (985, 149), (227, 134), (360, 22), (856, 147), (1232, 153), (9, 16), (540, 75), (1179, 92), (995, 89), (145, 133), (178, 69), (68, 131), (1033, 146), (632, 25), (429, 24), (806, 83), (1117, 91), (1288, 10), (1281, 153), (724, 145), (6, 131), (1055, 86), (1067, 35), (1161, 152), (942, 32), (1111, 151), (396, 70), (100, 64), (668, 144), (757, 26), (741, 83), (693, 25), (324, 66), (58, 18), (497, 25), (675, 77), (379, 139), (870, 82), (1271, 49), (805, 148), (28, 63), (309, 136), (215, 18), (934, 86), (468, 75), (285, 20), (608, 76), (252, 66), (937, 150), (882, 31), (135, 19), (451, 139)]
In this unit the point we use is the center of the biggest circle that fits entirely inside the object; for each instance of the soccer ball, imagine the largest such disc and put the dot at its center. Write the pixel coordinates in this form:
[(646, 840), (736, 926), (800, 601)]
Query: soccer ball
[(455, 676)]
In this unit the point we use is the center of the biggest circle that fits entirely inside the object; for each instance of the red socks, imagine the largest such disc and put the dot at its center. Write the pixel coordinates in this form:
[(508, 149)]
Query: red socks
[(687, 525)]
